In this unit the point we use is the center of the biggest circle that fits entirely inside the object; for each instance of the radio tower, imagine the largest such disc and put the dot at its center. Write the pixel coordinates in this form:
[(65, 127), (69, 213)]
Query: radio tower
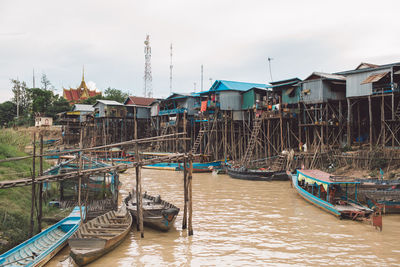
[(148, 90), (170, 73)]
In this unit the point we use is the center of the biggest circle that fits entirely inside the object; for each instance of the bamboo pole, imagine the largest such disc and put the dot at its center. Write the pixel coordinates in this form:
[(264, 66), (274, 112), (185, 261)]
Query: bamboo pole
[(185, 191), (190, 200), (80, 176), (40, 186), (33, 199), (370, 121)]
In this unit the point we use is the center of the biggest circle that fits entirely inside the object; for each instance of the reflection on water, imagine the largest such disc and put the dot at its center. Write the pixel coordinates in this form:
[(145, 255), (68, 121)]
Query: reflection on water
[(238, 222)]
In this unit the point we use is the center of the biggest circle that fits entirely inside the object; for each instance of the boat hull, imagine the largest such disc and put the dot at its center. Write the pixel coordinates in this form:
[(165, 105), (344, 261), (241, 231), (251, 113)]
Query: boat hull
[(46, 244), (257, 175), (88, 249), (328, 207), (157, 214)]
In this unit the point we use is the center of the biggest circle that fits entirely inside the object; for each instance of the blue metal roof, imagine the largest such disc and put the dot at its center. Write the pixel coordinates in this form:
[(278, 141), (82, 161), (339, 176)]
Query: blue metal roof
[(221, 85)]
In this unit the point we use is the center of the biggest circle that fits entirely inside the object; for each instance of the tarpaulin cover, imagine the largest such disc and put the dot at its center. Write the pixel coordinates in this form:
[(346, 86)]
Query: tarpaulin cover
[(203, 105)]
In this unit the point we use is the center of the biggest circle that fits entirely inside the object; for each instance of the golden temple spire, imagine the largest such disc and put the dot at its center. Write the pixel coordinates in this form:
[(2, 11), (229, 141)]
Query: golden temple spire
[(83, 73)]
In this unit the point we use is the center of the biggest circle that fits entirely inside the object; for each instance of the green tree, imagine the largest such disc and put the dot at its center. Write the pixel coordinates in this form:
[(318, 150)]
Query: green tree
[(41, 100), (58, 105), (46, 84), (21, 97), (7, 112), (115, 94)]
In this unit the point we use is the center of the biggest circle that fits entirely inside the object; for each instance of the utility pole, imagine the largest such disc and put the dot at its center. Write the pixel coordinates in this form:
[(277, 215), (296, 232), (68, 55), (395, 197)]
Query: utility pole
[(148, 91), (170, 72), (194, 87), (270, 71)]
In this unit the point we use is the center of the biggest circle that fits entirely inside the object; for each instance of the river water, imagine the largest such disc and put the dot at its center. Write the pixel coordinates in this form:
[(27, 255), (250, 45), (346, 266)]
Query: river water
[(243, 223)]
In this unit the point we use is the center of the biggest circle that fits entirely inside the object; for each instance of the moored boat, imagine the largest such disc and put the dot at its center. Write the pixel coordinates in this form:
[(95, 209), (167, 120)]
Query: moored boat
[(38, 250), (332, 195), (157, 213), (99, 236), (203, 166), (167, 166), (256, 174)]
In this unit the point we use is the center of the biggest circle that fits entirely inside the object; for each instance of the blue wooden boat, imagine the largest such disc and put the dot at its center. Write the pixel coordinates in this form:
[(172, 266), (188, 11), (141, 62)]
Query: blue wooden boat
[(173, 166), (38, 250), (168, 166), (330, 194)]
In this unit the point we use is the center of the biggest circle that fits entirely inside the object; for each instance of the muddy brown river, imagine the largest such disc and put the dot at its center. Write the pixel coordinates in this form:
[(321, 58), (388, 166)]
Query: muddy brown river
[(243, 223)]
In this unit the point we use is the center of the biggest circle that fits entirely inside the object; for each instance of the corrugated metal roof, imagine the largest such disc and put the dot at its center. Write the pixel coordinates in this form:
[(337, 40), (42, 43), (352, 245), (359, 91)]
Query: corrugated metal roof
[(139, 101), (374, 77), (386, 66), (108, 103), (285, 82), (83, 107), (222, 85), (364, 65), (326, 76)]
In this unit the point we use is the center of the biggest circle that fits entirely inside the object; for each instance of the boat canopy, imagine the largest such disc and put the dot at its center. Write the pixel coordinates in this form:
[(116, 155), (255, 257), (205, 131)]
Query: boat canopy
[(320, 178)]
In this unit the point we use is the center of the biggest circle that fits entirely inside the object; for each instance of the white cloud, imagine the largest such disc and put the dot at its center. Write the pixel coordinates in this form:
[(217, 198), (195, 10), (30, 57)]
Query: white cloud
[(231, 38)]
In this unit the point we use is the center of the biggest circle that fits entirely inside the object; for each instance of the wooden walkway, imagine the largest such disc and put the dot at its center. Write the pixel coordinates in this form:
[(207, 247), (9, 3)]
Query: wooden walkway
[(76, 174)]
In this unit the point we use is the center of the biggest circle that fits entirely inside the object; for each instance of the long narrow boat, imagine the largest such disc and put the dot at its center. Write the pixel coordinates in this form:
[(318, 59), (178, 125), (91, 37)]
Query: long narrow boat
[(99, 236), (203, 166), (173, 166), (319, 188), (256, 175), (157, 213), (38, 250), (167, 166)]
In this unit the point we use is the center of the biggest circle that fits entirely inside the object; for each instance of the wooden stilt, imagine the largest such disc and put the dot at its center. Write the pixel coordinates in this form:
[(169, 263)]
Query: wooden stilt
[(33, 199), (185, 192), (348, 122), (190, 207), (370, 121), (40, 186)]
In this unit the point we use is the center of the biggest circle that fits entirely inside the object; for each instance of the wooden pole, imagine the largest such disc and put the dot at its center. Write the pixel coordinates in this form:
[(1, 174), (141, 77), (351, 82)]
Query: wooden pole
[(370, 121), (281, 122), (185, 192), (383, 128), (190, 204), (348, 122), (80, 176), (139, 201), (33, 186), (40, 186)]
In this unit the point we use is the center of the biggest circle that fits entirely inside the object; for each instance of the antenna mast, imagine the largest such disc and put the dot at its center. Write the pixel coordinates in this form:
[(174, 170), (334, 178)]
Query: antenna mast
[(270, 71), (201, 78), (33, 78), (148, 91), (170, 73)]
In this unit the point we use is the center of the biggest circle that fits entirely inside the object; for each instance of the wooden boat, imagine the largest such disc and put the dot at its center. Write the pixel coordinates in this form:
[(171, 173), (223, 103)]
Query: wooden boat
[(256, 175), (157, 213), (99, 236), (332, 195), (387, 200), (203, 166), (166, 166), (38, 250)]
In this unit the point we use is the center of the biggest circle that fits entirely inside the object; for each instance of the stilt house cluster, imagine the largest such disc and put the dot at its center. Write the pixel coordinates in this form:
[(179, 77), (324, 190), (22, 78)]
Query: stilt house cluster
[(324, 111)]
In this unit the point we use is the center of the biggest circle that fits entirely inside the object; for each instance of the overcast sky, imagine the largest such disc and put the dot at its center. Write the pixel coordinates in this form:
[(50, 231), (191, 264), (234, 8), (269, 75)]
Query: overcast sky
[(232, 39)]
